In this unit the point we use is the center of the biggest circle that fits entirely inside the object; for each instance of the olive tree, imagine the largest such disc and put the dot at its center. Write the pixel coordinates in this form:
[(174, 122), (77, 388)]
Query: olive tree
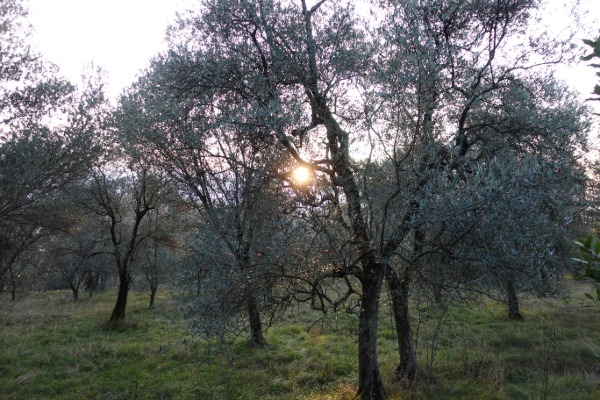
[(119, 203), (49, 130), (76, 253), (286, 65), (162, 253), (435, 94), (221, 169), (16, 241), (453, 94)]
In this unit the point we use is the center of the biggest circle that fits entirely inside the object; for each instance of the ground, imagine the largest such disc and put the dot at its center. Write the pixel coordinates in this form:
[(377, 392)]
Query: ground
[(53, 348)]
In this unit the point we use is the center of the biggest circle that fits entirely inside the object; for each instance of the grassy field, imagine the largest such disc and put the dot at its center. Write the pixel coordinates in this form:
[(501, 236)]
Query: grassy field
[(51, 348)]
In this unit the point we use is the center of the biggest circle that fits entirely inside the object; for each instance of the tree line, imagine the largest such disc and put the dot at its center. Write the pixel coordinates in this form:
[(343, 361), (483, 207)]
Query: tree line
[(443, 158)]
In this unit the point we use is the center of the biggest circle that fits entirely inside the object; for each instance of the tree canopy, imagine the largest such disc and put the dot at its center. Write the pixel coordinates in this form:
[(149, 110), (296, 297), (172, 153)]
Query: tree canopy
[(429, 129), (442, 156)]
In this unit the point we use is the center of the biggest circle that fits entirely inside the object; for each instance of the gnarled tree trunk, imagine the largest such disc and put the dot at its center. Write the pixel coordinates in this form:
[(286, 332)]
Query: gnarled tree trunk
[(118, 313), (75, 290), (256, 335), (153, 291), (408, 368), (513, 301), (370, 385)]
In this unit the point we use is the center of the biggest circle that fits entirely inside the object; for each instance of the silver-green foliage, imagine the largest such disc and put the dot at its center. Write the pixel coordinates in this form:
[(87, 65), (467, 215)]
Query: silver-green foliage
[(467, 135), (48, 132)]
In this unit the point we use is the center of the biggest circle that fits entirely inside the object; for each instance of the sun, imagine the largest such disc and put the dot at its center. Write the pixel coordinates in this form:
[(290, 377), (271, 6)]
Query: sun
[(302, 175)]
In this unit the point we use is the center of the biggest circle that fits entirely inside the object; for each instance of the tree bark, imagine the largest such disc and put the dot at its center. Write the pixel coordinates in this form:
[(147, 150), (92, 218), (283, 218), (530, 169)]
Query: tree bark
[(370, 385), (256, 335), (118, 313), (408, 368), (513, 301)]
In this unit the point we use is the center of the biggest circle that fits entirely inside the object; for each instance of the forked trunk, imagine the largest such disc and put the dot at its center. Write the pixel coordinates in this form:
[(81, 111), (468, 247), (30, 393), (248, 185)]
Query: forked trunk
[(513, 301), (370, 386), (399, 291), (118, 313), (256, 335)]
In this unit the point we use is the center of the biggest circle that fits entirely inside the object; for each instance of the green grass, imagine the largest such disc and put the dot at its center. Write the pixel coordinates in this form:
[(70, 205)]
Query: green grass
[(51, 348)]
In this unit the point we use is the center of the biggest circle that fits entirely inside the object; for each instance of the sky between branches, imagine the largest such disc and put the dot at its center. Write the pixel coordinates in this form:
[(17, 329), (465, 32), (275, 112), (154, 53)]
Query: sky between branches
[(120, 36)]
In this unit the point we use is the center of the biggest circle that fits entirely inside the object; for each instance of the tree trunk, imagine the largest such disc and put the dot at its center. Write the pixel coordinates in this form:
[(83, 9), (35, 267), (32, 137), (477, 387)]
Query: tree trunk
[(370, 386), (256, 335), (92, 283), (546, 282), (13, 284), (153, 291), (101, 282), (74, 284), (399, 290), (118, 313), (198, 281), (75, 290), (513, 301)]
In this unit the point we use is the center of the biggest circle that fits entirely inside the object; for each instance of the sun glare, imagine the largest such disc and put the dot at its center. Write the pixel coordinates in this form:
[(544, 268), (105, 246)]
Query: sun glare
[(302, 174)]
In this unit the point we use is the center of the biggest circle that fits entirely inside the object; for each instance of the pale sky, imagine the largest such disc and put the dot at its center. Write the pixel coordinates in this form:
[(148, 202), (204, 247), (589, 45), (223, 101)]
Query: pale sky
[(122, 35)]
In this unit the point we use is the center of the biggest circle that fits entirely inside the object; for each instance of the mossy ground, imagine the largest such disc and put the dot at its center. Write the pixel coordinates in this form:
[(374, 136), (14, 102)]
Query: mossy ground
[(52, 348)]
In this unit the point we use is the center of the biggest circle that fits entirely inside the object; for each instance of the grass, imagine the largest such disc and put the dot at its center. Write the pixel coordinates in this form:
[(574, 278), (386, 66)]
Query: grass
[(52, 348)]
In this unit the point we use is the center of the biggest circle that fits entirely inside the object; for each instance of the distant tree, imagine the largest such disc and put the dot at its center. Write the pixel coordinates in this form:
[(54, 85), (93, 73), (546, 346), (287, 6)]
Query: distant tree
[(75, 251), (15, 241), (153, 262), (27, 238), (99, 276), (159, 254), (120, 201)]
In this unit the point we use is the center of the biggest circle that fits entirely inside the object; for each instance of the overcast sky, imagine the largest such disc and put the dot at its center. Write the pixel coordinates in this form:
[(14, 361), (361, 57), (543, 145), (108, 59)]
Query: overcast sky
[(122, 35), (118, 35)]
